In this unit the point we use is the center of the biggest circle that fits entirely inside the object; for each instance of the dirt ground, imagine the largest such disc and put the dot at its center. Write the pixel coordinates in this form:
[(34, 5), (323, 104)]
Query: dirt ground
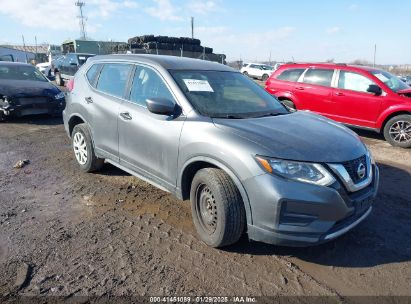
[(67, 233)]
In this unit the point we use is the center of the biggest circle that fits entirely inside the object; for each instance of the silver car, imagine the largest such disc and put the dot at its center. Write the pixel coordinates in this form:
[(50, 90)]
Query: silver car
[(207, 133)]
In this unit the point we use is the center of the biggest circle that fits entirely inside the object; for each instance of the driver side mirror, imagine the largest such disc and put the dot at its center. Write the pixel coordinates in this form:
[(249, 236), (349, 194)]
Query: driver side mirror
[(374, 89), (162, 106)]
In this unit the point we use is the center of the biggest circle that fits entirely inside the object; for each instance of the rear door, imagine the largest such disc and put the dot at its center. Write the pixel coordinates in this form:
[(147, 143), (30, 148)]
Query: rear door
[(353, 104), (104, 103), (314, 92)]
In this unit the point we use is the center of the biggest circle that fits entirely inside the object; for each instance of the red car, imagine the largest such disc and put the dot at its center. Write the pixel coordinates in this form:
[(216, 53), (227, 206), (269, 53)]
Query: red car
[(357, 96)]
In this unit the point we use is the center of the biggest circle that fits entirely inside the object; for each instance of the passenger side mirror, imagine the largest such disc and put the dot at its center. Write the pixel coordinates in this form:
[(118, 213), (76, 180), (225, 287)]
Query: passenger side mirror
[(162, 106), (376, 90)]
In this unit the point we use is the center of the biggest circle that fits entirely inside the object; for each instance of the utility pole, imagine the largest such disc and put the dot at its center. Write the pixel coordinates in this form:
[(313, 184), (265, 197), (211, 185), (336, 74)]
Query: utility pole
[(375, 52), (82, 19), (25, 51), (192, 27), (35, 41)]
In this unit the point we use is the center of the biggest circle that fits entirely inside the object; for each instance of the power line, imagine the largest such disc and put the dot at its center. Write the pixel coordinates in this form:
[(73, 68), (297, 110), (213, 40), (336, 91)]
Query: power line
[(82, 19)]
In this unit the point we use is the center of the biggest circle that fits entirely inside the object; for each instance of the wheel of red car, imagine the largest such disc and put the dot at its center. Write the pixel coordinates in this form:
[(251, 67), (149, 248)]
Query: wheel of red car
[(397, 131), (289, 105)]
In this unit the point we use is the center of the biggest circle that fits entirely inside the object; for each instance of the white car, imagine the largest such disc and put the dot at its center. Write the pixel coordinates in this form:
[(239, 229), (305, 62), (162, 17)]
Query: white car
[(257, 70)]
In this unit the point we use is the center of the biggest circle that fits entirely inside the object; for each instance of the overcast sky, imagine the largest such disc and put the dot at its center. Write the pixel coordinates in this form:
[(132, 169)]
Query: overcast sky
[(304, 30)]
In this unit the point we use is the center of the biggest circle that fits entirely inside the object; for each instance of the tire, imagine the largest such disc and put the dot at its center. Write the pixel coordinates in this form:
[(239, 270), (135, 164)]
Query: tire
[(245, 73), (217, 208), (264, 77), (83, 149), (397, 131), (59, 80), (289, 105)]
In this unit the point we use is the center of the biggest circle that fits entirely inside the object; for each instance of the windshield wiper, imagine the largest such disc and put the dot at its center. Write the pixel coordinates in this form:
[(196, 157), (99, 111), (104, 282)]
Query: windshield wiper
[(229, 116), (269, 114)]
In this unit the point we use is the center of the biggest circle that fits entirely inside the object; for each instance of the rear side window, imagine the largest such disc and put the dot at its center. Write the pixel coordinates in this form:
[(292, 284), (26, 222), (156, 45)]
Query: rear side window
[(113, 78), (148, 84), (92, 73), (354, 82), (290, 75), (322, 77)]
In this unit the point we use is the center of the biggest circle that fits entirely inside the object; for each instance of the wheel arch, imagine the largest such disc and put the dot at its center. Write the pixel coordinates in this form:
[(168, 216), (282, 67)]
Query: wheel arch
[(74, 120), (192, 166), (391, 115)]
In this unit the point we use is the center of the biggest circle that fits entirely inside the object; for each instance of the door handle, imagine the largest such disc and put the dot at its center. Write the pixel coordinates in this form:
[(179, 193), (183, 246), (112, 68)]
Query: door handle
[(88, 99), (339, 94), (299, 88), (126, 116)]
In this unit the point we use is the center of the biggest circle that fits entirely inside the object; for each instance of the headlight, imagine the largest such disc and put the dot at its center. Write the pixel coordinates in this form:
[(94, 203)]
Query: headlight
[(299, 171), (59, 95)]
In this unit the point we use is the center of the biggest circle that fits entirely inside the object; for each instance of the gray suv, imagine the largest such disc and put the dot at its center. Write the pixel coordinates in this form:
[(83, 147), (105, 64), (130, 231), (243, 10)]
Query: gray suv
[(207, 133)]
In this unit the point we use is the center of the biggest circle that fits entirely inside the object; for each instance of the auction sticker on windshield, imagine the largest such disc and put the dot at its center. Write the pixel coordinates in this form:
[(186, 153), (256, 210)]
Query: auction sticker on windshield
[(198, 85)]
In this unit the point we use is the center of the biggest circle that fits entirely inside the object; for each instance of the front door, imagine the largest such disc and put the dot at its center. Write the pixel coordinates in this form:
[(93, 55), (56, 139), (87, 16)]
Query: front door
[(148, 143), (354, 105)]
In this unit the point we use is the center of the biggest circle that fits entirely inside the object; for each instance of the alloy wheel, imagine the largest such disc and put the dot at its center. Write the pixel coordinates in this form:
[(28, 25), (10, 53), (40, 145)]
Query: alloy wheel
[(400, 131), (80, 148)]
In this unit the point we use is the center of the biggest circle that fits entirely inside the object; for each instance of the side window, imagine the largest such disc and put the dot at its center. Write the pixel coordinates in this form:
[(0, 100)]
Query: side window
[(253, 66), (290, 75), (92, 73), (148, 84), (72, 59), (354, 81), (322, 77), (113, 78)]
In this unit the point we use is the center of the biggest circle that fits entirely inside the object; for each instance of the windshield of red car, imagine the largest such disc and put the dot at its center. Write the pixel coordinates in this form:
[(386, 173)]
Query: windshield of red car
[(393, 82)]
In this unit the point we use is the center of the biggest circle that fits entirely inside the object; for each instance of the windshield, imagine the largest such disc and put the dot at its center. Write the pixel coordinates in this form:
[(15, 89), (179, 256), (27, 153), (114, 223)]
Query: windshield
[(83, 58), (393, 82), (21, 72), (226, 94)]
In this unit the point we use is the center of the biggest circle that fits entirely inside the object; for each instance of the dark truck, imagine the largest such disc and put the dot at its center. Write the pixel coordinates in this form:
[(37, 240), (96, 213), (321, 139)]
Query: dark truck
[(65, 68)]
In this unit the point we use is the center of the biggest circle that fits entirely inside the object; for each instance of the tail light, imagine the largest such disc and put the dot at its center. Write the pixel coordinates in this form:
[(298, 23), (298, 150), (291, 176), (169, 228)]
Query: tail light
[(70, 85)]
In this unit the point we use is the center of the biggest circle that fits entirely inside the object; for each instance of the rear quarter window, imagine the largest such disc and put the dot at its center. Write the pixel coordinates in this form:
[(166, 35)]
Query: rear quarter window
[(92, 73), (290, 75)]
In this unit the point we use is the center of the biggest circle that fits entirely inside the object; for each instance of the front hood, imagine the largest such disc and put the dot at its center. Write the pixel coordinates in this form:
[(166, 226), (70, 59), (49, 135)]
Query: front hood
[(298, 136), (25, 88), (405, 92)]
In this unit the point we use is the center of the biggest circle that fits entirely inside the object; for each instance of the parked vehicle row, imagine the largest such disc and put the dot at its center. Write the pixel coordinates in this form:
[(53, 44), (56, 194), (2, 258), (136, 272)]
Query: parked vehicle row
[(257, 70), (357, 96), (207, 133)]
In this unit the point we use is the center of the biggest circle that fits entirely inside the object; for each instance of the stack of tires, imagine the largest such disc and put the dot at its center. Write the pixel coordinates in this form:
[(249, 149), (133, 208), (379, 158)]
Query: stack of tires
[(151, 42)]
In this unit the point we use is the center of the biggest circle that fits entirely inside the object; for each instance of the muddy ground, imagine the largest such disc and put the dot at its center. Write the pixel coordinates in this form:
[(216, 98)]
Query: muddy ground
[(67, 233)]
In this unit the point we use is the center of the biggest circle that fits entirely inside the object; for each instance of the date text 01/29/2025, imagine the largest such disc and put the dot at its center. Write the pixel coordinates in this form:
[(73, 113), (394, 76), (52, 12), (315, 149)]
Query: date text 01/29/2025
[(203, 299)]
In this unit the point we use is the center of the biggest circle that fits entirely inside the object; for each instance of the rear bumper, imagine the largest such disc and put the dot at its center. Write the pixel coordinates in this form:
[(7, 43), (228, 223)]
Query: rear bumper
[(290, 214)]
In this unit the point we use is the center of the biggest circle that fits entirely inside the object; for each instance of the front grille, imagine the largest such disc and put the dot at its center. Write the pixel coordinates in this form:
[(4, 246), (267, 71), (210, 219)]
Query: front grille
[(352, 168), (24, 101)]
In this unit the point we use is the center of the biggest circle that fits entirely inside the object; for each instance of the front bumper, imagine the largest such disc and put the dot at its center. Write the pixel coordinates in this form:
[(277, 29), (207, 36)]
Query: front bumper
[(291, 213), (15, 109)]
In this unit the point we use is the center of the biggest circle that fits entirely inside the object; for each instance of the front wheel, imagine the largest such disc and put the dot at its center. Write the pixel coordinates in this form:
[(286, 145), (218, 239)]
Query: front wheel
[(83, 149), (397, 131), (217, 208)]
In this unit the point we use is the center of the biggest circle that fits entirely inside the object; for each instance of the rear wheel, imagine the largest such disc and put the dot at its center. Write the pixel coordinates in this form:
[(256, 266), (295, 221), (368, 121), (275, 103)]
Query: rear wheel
[(217, 208), (397, 131), (245, 73), (84, 150), (264, 78)]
